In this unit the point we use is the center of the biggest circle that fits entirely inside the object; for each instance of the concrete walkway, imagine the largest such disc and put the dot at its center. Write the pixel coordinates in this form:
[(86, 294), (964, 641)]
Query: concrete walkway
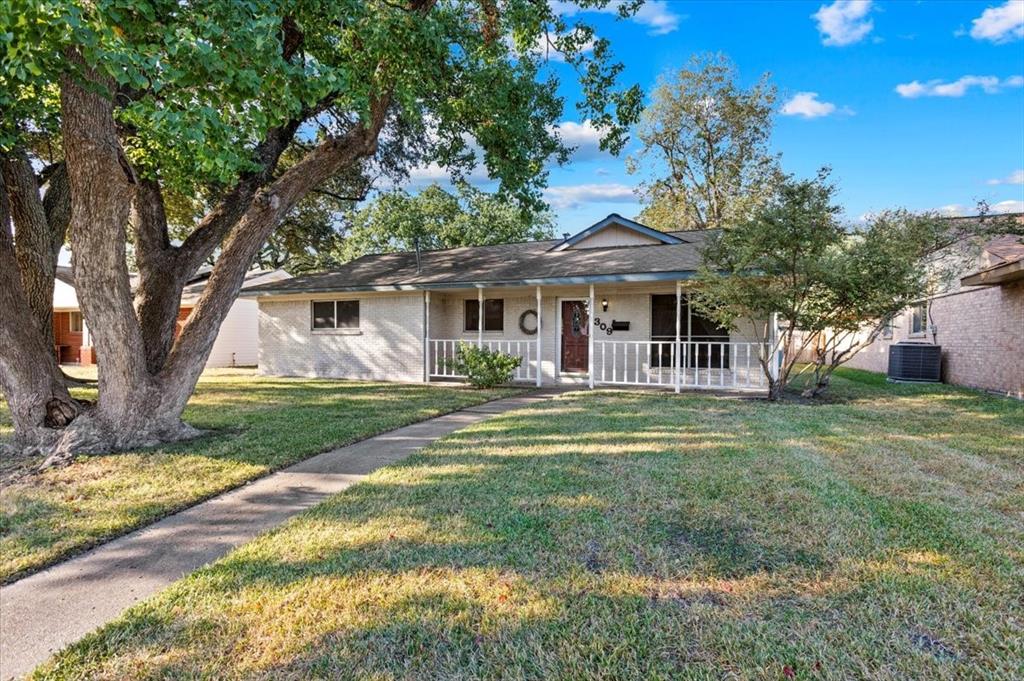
[(43, 613)]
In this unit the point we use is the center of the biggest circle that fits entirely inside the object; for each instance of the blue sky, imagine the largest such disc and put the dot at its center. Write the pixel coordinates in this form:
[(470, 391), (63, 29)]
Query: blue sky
[(916, 104)]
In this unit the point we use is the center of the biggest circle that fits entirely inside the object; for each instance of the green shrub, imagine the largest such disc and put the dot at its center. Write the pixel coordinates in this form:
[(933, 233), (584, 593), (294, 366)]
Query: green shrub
[(484, 368)]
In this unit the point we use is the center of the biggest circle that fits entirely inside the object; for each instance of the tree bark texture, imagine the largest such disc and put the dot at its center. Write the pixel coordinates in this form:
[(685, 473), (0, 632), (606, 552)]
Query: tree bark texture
[(29, 375), (36, 245)]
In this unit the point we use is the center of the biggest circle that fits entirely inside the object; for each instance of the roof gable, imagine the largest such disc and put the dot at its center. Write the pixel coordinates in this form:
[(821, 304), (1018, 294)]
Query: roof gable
[(613, 231)]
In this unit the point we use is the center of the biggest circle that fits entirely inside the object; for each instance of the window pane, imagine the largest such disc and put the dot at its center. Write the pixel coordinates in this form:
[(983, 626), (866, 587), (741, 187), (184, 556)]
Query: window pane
[(348, 314), (472, 315), (323, 315), (918, 319), (76, 322), (494, 315)]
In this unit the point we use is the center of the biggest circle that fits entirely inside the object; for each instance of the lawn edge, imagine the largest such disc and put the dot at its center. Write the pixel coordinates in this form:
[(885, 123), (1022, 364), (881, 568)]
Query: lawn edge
[(15, 577)]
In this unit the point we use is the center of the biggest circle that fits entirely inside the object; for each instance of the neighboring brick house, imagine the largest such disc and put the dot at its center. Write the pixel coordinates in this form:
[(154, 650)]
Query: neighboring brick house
[(237, 341), (979, 322), (605, 306)]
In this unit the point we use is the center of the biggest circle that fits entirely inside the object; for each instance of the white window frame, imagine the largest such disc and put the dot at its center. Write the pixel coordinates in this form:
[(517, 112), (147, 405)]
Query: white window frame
[(72, 316)]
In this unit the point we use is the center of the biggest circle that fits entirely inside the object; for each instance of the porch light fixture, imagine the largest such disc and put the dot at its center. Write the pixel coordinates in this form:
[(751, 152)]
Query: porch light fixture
[(604, 304)]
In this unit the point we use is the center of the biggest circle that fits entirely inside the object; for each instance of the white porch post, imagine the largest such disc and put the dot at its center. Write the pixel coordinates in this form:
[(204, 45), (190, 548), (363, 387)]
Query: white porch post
[(590, 338), (679, 348), (774, 361), (540, 339), (480, 318), (426, 336)]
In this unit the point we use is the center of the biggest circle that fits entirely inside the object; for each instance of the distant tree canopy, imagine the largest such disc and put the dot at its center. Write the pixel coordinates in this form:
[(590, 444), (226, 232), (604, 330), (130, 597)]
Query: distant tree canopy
[(436, 218), (705, 147)]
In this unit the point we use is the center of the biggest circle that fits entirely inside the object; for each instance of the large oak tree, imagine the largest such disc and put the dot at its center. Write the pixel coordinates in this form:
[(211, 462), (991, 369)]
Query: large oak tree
[(145, 98)]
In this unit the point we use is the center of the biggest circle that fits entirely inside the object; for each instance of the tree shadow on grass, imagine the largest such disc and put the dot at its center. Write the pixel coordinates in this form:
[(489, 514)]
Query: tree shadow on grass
[(563, 527)]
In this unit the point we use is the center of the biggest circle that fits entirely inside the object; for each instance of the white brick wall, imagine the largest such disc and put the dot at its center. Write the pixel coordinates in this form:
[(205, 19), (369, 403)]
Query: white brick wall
[(388, 345)]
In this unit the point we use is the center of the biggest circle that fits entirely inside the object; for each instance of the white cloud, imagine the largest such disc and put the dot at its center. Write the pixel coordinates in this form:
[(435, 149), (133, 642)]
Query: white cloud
[(655, 14), (1000, 24), (658, 17), (956, 210), (957, 88), (584, 137), (1016, 177), (952, 210), (571, 196), (1014, 206), (807, 105), (844, 22)]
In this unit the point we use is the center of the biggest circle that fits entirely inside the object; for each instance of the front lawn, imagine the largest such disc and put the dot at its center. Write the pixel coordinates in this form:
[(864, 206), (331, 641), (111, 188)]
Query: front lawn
[(257, 425), (632, 535)]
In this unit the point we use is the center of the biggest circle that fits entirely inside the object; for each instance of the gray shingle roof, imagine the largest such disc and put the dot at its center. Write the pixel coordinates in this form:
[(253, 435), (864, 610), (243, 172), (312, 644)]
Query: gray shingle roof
[(505, 264)]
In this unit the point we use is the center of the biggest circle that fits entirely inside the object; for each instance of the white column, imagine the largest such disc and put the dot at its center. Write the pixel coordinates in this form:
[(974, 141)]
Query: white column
[(679, 349), (426, 336), (540, 337), (590, 338), (480, 318), (774, 363)]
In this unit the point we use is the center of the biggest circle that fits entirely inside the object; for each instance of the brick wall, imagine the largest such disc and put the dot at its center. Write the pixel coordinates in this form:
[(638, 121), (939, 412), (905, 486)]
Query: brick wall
[(981, 332), (387, 346), (67, 341)]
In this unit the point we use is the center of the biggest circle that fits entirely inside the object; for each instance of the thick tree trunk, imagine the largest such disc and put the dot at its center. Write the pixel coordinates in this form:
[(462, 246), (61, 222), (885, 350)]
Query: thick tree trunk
[(143, 391), (34, 247), (162, 275), (128, 411), (29, 375)]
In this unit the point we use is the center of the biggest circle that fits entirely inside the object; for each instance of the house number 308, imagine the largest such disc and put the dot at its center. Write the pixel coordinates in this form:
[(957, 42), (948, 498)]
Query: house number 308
[(603, 326)]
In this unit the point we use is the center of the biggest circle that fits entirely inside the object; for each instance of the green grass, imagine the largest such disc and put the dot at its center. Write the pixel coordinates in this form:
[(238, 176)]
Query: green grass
[(256, 425), (632, 535)]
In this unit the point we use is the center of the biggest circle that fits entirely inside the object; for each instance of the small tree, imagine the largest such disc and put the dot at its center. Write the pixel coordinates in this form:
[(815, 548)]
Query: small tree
[(832, 289), (897, 258), (708, 139), (772, 264)]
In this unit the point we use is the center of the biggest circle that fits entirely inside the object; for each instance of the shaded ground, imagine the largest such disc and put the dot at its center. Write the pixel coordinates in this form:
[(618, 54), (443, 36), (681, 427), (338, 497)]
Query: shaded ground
[(633, 535), (258, 425)]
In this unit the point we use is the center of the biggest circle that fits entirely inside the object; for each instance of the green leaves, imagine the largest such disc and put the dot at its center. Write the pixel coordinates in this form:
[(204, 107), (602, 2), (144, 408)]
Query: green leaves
[(708, 139), (436, 218), (200, 84)]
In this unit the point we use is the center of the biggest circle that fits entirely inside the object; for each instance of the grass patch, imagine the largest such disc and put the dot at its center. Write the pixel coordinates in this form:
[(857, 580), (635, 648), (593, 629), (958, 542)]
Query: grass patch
[(632, 535), (256, 425)]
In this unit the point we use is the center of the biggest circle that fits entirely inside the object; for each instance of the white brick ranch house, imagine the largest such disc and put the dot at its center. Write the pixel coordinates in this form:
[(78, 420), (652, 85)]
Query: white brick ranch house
[(611, 300)]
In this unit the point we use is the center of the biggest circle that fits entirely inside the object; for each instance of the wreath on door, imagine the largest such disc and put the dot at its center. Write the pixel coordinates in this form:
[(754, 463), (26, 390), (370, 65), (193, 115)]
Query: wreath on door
[(523, 318)]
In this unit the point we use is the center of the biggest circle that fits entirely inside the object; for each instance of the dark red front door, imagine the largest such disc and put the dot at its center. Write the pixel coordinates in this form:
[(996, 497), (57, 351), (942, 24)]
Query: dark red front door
[(575, 327)]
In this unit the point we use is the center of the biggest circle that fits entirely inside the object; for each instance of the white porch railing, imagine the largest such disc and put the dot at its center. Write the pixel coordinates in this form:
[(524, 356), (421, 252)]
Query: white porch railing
[(715, 365), (701, 364), (443, 351)]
